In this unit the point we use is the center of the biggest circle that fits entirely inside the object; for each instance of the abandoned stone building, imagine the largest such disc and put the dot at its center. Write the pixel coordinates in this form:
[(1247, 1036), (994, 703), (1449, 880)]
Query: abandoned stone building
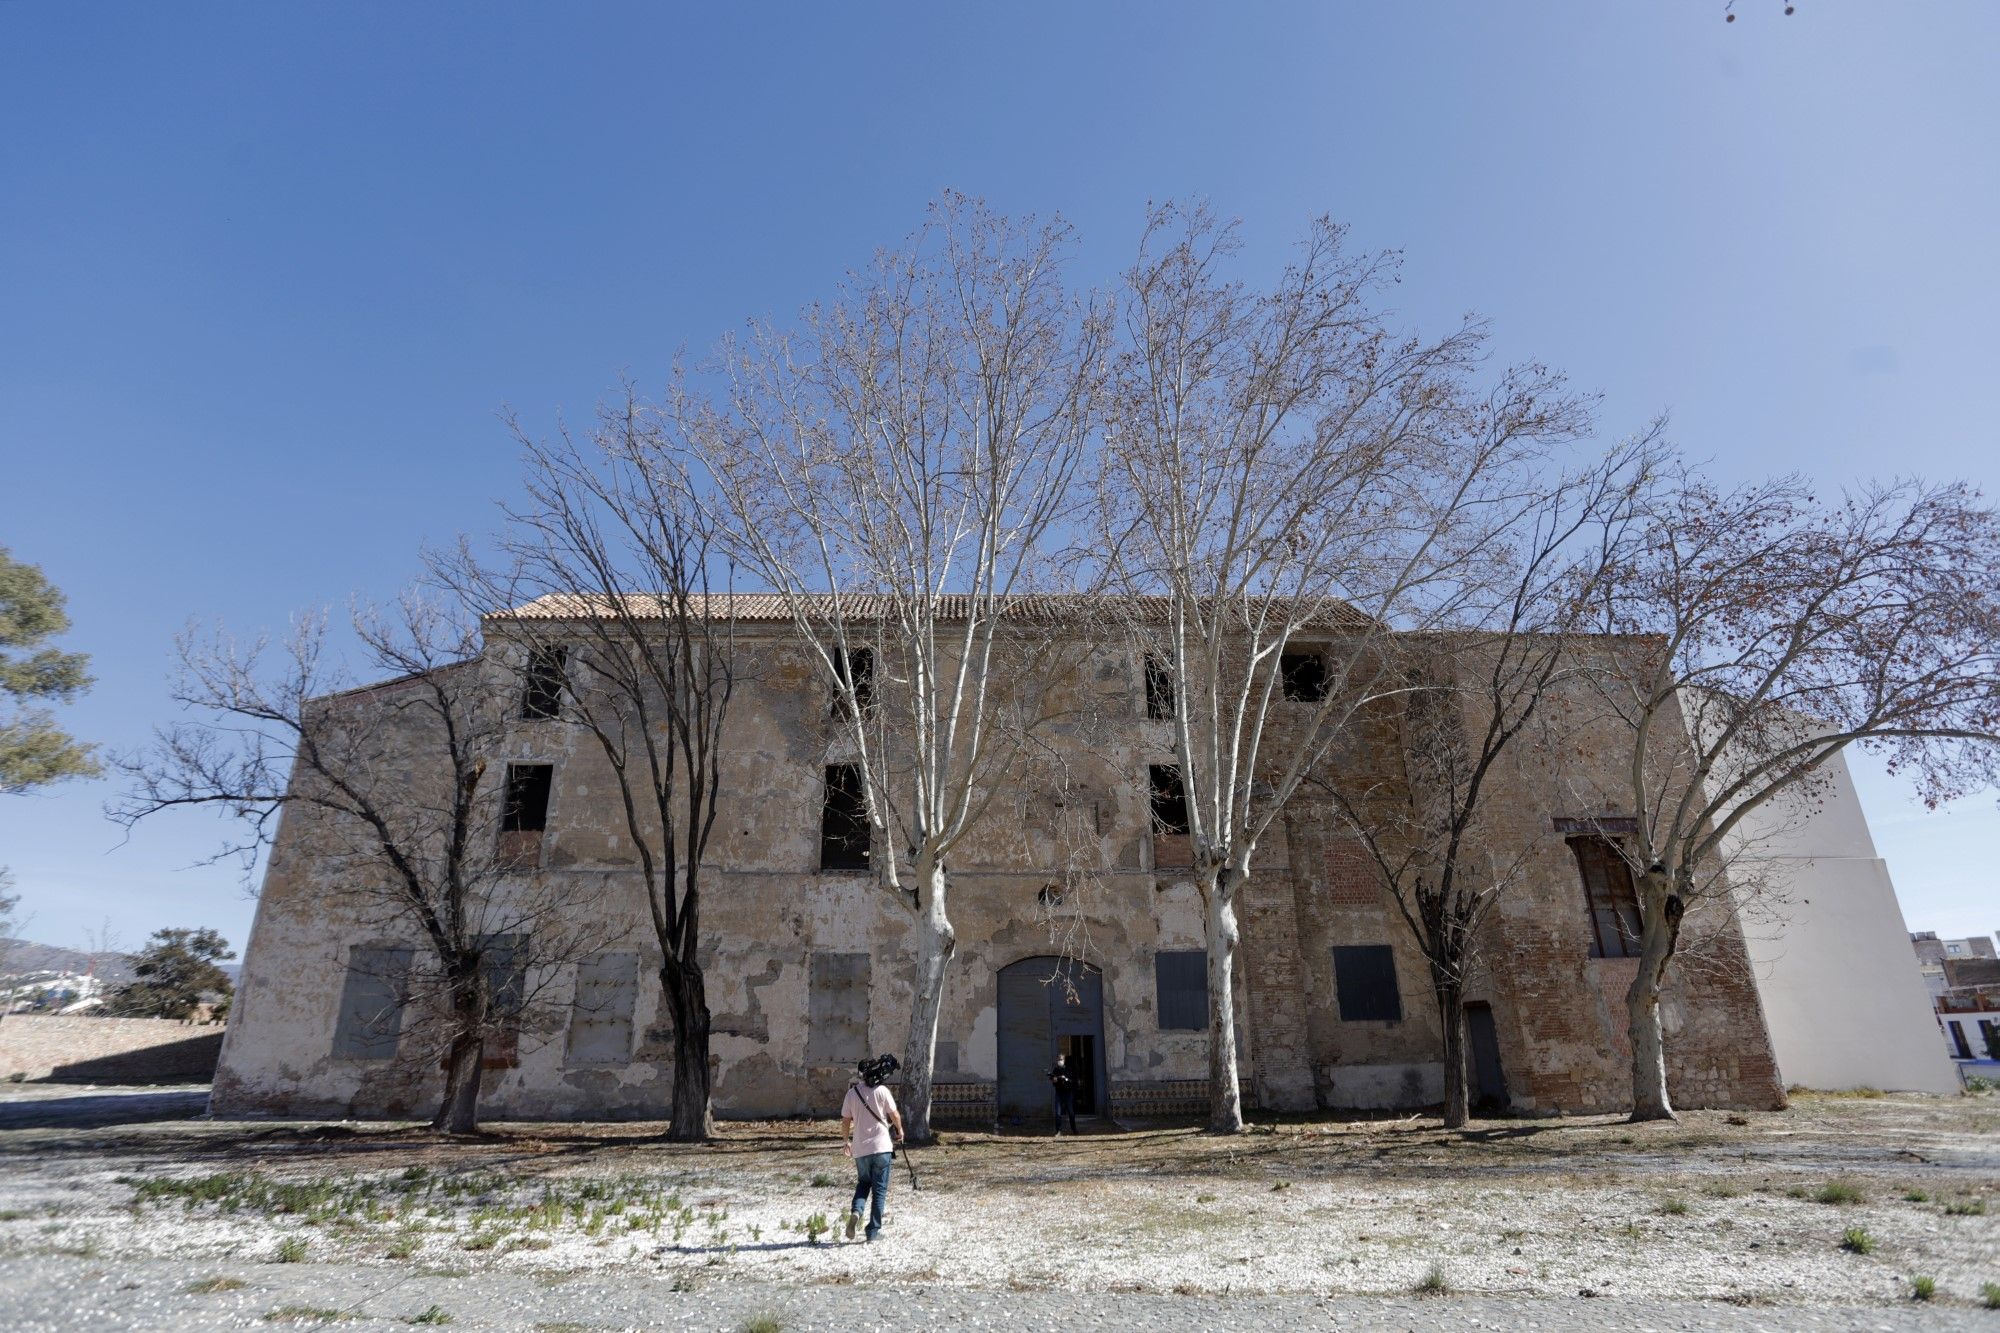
[(809, 962)]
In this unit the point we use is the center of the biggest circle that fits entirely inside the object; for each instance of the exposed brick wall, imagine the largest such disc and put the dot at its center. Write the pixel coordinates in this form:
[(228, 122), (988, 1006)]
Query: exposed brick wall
[(75, 1049)]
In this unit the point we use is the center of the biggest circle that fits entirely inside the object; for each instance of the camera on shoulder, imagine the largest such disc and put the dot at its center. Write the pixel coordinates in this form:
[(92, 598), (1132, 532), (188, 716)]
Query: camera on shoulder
[(879, 1070)]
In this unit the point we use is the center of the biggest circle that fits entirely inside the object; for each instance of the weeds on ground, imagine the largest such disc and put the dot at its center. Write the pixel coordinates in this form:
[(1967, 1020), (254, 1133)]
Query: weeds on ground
[(1674, 1207), (1922, 1288), (1989, 1295), (1965, 1208), (1856, 1240), (435, 1314), (1432, 1283), (305, 1314), (1915, 1196), (815, 1227), (760, 1323), (291, 1250), (822, 1181), (13, 1214), (1839, 1192), (210, 1286), (403, 1247)]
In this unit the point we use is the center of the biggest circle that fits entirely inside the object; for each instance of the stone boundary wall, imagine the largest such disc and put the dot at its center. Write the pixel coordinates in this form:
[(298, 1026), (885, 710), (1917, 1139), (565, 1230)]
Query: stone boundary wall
[(72, 1048)]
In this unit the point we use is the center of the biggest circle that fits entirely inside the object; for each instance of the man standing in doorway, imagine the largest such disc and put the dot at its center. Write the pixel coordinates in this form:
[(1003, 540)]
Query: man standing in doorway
[(1064, 1082), (871, 1127)]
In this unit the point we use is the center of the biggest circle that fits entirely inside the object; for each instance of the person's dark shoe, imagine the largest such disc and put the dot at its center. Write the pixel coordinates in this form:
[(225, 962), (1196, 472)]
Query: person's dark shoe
[(853, 1219)]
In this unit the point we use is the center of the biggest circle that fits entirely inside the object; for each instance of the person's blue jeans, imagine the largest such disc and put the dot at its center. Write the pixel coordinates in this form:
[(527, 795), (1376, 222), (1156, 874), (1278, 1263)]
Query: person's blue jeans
[(871, 1186)]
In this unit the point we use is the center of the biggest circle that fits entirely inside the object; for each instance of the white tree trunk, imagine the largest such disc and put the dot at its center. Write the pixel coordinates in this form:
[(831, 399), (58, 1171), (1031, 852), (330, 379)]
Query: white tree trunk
[(936, 942), (1642, 1003), (1225, 1101)]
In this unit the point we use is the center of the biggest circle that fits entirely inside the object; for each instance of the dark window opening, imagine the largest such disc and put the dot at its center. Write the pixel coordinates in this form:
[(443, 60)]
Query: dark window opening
[(1958, 1039), (843, 825), (1304, 676), (1364, 979), (1607, 889), (1180, 981), (524, 814), (548, 669), (857, 673), (527, 805), (1169, 799), (1159, 689)]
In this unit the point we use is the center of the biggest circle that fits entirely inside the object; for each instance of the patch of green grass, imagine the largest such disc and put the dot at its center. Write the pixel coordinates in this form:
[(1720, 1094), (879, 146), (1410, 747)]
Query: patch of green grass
[(435, 1314), (209, 1286), (1839, 1192), (14, 1214), (305, 1314), (1432, 1283), (403, 1247), (480, 1240), (1915, 1196), (821, 1181), (815, 1226), (1989, 1295), (761, 1323), (1722, 1191), (1205, 1198), (1965, 1208), (1856, 1240), (291, 1250), (1922, 1288), (1674, 1207)]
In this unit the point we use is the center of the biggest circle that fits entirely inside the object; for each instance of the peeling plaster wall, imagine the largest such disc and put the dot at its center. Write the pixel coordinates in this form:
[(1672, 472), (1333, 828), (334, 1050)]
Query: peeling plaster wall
[(767, 909)]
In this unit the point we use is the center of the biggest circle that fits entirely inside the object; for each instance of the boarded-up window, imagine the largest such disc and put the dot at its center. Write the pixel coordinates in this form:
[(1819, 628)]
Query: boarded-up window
[(600, 1018), (371, 1003), (1364, 980), (1159, 688), (837, 1023), (1180, 980), (1304, 675), (843, 823), (504, 962), (1607, 890), (547, 670)]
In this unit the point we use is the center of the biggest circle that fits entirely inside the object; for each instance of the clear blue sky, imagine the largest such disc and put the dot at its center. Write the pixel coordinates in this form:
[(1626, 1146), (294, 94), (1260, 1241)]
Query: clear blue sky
[(267, 273)]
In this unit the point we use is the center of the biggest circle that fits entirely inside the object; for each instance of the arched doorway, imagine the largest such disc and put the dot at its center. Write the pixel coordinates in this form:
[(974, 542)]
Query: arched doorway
[(1048, 1006)]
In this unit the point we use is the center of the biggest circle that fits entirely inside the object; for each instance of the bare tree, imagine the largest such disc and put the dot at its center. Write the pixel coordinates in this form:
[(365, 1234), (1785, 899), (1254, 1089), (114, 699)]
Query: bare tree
[(1471, 694), (1786, 629), (617, 550), (1282, 470), (389, 784), (897, 471)]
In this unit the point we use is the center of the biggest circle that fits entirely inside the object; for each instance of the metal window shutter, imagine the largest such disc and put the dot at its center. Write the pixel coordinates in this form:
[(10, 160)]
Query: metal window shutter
[(837, 1030), (1364, 977), (1180, 980), (600, 1023), (370, 1020)]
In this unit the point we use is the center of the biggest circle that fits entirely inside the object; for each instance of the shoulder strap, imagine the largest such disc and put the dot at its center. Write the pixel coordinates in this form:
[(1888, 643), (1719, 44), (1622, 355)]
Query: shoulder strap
[(867, 1100)]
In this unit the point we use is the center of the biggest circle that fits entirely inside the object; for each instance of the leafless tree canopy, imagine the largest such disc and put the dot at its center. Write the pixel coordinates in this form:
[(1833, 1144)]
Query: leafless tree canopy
[(392, 782), (1788, 628), (1282, 468)]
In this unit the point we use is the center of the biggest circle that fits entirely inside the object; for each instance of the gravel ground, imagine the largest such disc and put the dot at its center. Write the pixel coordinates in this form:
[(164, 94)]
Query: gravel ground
[(107, 1216)]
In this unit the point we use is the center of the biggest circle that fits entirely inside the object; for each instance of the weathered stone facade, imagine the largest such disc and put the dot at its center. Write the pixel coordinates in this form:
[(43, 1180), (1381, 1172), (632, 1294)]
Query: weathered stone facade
[(769, 911)]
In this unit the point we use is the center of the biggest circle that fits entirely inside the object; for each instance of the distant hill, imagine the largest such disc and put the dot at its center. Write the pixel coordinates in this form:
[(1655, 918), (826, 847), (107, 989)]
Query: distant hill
[(25, 958)]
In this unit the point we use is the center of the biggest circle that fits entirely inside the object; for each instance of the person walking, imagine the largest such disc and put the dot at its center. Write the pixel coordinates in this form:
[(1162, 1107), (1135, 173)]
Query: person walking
[(871, 1127), (1064, 1082)]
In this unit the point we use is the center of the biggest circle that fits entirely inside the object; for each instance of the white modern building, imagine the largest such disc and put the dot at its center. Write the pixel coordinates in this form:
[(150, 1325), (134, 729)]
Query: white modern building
[(1844, 1000)]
